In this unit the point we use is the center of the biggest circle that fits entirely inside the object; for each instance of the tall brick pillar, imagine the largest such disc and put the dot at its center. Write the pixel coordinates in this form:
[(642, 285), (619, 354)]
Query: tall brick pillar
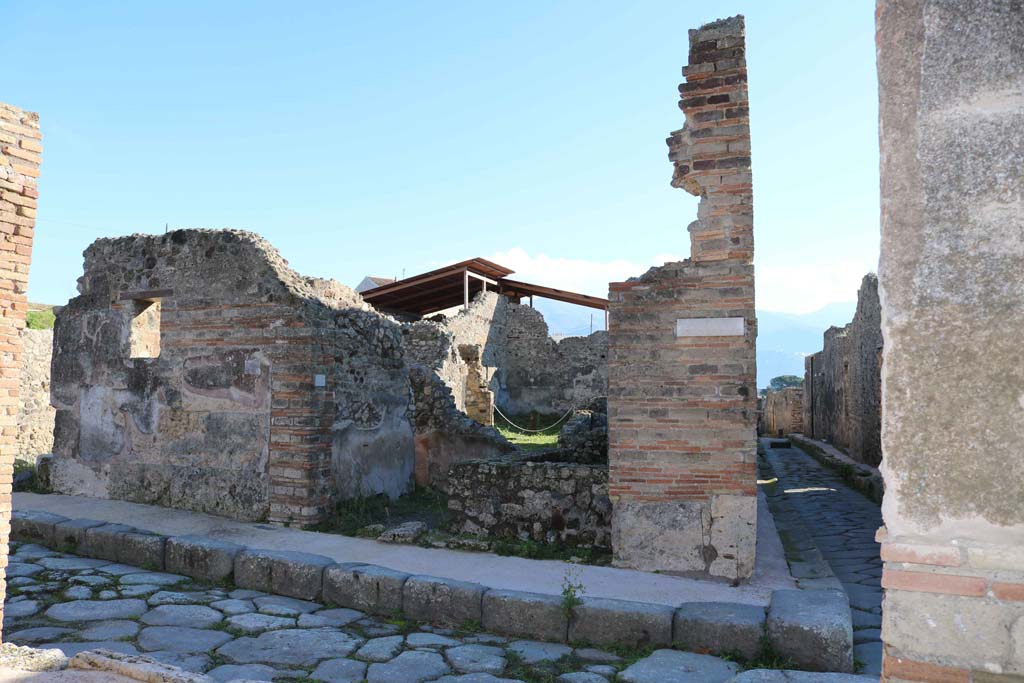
[(682, 398), (951, 95), (20, 151)]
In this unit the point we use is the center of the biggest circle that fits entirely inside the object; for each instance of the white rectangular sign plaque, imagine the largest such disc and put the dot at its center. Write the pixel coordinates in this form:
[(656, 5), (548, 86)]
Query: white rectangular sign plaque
[(709, 327)]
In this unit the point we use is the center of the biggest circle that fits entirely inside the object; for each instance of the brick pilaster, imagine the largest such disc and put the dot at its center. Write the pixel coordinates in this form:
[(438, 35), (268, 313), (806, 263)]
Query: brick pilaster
[(20, 151)]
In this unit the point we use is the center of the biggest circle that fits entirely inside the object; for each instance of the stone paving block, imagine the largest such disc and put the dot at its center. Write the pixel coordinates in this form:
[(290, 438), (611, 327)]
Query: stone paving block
[(104, 542), (365, 587), (298, 575), (812, 628), (34, 527), (70, 535), (529, 615), (201, 558), (603, 621), (142, 549), (671, 666), (720, 628), (442, 601), (781, 676)]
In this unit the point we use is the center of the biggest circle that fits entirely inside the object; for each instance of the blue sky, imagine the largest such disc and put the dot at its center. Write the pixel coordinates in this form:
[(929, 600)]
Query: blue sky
[(376, 138)]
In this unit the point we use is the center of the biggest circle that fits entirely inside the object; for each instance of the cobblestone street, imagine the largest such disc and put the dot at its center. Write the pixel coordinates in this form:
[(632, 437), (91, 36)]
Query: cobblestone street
[(839, 525)]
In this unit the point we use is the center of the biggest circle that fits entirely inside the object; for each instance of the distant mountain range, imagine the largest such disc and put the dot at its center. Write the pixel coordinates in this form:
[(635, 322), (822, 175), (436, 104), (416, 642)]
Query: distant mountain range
[(783, 339)]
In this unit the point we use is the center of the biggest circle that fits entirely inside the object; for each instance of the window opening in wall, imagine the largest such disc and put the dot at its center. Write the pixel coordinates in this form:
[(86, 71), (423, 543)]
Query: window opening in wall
[(144, 335)]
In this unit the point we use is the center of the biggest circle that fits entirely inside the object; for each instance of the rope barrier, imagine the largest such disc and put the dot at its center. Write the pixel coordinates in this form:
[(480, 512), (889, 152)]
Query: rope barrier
[(551, 426)]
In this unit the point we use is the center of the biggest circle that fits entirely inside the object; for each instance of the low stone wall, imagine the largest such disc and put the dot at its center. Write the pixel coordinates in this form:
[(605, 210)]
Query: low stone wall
[(443, 434), (35, 414), (842, 382), (548, 502), (783, 411)]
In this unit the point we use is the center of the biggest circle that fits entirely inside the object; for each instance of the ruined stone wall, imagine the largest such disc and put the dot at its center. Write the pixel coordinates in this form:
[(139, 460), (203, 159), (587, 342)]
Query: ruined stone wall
[(262, 394), (35, 414), (20, 150), (951, 79), (524, 368), (784, 411), (548, 502), (444, 434), (842, 382), (682, 391)]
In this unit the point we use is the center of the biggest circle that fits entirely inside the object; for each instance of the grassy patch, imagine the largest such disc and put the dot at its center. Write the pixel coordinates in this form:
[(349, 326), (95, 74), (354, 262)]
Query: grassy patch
[(545, 440), (41, 319), (422, 505), (533, 550)]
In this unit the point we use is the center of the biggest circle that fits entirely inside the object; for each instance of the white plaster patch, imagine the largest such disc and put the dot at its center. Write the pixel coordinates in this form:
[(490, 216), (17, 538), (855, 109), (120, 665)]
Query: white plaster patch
[(710, 327)]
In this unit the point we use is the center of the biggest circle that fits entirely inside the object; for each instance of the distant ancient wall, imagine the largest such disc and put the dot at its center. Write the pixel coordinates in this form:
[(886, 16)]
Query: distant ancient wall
[(524, 368), (784, 411), (196, 370), (842, 382), (35, 414), (549, 502)]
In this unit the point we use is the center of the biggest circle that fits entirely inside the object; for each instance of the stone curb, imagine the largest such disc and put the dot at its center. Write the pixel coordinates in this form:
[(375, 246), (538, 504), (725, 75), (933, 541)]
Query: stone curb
[(709, 627), (864, 478)]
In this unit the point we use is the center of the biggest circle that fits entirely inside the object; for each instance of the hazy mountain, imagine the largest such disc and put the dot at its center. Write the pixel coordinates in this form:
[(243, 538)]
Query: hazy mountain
[(783, 339)]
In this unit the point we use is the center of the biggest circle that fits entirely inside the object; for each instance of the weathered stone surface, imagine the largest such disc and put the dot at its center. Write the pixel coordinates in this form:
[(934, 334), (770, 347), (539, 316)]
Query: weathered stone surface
[(409, 667), (365, 587), (442, 601), (153, 579), (292, 647), (257, 623), (70, 534), (812, 628), (196, 663), (299, 575), (670, 666), (105, 541), (39, 634), (720, 628), (380, 649), (97, 610), (22, 569), (581, 677), (72, 649), (196, 616), (284, 606), (78, 593), (516, 613), (142, 549), (70, 563), (200, 557), (476, 659), (433, 640), (603, 621), (533, 651), (340, 671), (181, 639), (476, 678), (406, 532), (232, 607), (110, 630), (777, 676), (330, 617), (243, 672), (24, 608), (34, 527), (175, 597), (133, 666)]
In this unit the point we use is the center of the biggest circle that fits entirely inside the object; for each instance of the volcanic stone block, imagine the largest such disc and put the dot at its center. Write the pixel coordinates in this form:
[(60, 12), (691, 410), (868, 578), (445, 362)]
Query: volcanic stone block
[(295, 574), (364, 587), (104, 542), (529, 615), (71, 534), (201, 558), (603, 621), (720, 628), (34, 527), (812, 628), (142, 549), (442, 601)]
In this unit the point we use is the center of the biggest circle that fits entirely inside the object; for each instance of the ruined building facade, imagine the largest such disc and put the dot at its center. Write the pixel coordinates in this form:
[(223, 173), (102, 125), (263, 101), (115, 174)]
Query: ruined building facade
[(783, 412), (682, 390), (842, 402), (196, 370), (20, 152)]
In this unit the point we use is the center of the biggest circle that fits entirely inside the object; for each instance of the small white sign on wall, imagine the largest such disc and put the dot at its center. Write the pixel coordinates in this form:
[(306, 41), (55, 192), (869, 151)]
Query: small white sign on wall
[(710, 327)]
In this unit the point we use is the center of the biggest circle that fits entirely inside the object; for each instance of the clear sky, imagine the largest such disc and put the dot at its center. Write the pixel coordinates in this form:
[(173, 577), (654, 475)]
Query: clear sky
[(381, 138)]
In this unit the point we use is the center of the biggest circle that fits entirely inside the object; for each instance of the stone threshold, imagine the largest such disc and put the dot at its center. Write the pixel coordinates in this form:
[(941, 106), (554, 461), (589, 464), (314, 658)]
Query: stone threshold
[(809, 628)]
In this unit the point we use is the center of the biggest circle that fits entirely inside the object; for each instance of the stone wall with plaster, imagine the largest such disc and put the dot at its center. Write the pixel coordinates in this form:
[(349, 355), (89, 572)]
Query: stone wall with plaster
[(20, 155), (543, 501), (842, 382), (951, 79), (682, 393), (35, 414), (783, 411), (196, 370)]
